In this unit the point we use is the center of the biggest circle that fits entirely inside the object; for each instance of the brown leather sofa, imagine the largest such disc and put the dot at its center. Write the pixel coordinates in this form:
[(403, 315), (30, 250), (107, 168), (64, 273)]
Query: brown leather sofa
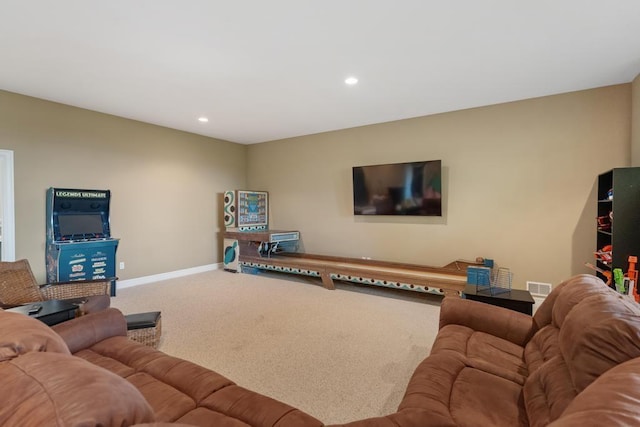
[(88, 373), (576, 362)]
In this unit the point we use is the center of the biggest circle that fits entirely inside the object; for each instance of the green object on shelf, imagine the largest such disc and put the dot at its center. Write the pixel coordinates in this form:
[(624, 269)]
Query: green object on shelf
[(618, 279)]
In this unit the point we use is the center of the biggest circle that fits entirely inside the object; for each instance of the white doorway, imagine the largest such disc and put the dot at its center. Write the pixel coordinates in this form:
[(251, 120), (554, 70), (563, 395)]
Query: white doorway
[(7, 209)]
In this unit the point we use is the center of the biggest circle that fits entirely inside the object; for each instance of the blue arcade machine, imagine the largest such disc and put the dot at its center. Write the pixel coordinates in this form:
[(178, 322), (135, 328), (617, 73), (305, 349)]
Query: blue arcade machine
[(79, 242)]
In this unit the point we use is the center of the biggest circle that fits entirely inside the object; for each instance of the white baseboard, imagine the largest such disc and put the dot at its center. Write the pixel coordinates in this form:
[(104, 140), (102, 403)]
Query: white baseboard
[(121, 284)]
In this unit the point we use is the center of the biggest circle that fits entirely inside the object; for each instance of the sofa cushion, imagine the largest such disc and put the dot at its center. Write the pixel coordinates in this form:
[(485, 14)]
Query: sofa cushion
[(548, 391), (62, 390), (543, 315), (252, 408), (573, 293), (477, 399), (444, 387), (496, 355), (183, 392), (611, 400), (22, 334), (542, 347), (490, 338), (599, 333), (549, 318)]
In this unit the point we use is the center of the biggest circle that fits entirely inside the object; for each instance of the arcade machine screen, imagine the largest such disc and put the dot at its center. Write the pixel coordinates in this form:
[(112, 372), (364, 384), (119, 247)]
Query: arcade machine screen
[(85, 226)]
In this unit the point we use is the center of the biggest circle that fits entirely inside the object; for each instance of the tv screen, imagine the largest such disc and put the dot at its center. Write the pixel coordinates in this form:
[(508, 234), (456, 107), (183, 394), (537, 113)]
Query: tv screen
[(80, 226), (398, 189)]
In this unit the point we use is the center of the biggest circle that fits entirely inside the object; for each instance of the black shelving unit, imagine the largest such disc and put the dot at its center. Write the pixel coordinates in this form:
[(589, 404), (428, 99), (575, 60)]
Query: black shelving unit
[(618, 195)]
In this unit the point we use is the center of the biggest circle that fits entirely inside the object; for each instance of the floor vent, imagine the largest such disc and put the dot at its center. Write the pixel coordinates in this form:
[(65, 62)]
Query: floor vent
[(539, 289)]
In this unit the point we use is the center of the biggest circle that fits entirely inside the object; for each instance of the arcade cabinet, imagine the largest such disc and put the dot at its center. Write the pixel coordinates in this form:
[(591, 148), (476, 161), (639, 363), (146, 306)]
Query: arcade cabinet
[(246, 220), (79, 243)]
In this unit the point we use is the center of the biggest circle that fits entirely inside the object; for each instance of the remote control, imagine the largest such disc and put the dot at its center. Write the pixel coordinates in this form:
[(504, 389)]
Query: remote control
[(35, 308)]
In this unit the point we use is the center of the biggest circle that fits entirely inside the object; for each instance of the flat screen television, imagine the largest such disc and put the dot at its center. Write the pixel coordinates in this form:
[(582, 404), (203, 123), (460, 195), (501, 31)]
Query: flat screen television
[(413, 188)]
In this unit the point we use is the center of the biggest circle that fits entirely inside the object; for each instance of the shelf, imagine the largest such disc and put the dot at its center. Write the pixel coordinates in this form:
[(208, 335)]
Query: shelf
[(625, 236)]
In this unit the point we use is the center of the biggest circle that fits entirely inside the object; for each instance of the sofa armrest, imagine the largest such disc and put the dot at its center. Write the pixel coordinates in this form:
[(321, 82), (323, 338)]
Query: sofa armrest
[(85, 331), (498, 321), (427, 399)]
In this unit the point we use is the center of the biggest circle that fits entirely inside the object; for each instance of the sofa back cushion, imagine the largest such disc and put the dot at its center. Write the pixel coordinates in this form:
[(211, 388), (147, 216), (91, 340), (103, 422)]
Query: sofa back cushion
[(594, 334), (576, 287), (549, 317), (20, 334), (574, 293), (611, 400), (56, 389), (601, 332)]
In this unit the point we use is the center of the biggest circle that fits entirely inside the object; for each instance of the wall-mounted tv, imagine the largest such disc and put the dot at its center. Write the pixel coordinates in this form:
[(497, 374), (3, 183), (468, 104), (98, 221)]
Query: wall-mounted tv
[(413, 188)]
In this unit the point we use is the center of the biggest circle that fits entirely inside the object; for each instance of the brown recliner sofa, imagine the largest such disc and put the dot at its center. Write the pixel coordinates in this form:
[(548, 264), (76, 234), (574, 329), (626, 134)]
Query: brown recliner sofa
[(88, 373), (576, 362)]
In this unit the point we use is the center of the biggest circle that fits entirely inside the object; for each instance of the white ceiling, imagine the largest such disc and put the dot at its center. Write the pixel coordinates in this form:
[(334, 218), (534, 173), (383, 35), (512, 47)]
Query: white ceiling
[(266, 70)]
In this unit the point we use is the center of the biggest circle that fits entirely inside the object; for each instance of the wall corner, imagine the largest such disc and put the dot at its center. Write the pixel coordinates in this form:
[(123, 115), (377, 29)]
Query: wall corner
[(635, 121)]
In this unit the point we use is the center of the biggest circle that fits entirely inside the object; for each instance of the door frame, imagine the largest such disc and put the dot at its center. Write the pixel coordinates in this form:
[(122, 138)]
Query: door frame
[(8, 207)]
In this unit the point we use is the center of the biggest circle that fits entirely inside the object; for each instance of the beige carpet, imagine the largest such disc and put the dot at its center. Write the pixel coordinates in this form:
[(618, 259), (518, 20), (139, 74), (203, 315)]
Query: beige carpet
[(339, 355)]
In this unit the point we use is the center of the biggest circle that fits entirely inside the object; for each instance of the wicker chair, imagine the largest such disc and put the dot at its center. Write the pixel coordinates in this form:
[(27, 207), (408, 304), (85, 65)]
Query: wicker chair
[(18, 286)]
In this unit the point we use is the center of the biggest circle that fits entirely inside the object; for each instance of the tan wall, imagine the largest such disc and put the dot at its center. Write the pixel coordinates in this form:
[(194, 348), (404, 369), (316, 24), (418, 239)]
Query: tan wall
[(518, 183), (635, 121), (166, 185)]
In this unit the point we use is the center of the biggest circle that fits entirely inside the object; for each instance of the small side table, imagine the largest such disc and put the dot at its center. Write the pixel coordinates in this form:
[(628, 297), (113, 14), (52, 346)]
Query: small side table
[(52, 312), (145, 328), (515, 299)]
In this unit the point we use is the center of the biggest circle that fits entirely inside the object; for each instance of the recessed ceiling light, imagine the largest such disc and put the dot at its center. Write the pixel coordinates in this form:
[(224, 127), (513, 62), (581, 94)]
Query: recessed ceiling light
[(351, 81), (203, 119)]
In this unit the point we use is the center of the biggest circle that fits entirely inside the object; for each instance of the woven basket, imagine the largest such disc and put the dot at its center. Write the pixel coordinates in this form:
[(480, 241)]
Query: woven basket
[(147, 336)]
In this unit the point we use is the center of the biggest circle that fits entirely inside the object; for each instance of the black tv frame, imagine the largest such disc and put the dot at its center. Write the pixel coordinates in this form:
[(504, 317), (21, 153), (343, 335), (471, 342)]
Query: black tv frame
[(398, 189)]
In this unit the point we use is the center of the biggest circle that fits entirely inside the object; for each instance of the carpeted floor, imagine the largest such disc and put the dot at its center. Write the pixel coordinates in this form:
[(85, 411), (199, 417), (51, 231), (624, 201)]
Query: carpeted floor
[(339, 355)]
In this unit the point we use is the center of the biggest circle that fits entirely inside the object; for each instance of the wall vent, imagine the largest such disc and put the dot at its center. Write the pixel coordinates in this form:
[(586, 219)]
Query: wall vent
[(539, 289)]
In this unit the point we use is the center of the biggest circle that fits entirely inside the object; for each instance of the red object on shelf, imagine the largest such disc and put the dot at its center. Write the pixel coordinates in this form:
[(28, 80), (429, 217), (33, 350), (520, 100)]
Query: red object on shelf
[(604, 222), (605, 254), (632, 274)]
